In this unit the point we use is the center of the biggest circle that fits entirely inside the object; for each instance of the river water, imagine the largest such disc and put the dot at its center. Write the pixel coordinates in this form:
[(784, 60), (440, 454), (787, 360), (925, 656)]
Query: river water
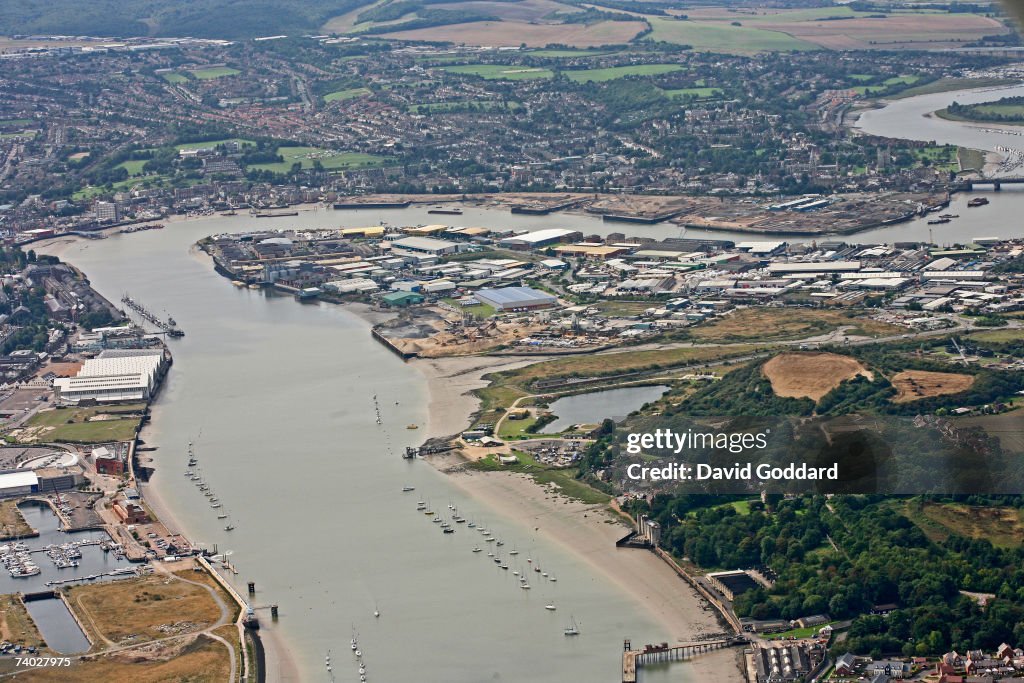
[(279, 398)]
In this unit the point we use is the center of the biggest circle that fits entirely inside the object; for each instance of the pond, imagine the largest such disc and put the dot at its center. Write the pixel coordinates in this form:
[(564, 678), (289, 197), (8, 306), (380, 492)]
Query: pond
[(58, 628), (593, 407)]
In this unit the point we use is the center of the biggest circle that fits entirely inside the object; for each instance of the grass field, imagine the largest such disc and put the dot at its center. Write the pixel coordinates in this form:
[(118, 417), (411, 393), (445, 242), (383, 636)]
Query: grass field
[(174, 77), (16, 626), (693, 92), (810, 375), (203, 660), (1007, 427), (342, 95), (214, 72), (213, 143), (12, 522), (330, 160), (80, 425), (611, 73), (1002, 526), (777, 324), (134, 166), (723, 37), (566, 53), (563, 479), (913, 385), (887, 83), (117, 609), (998, 335), (15, 123), (500, 71)]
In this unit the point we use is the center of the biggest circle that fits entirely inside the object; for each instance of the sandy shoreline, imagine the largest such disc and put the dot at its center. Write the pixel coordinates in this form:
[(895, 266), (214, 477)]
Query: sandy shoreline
[(279, 663), (587, 531)]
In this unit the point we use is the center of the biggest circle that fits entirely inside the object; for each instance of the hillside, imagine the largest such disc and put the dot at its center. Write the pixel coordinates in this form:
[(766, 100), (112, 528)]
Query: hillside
[(229, 19)]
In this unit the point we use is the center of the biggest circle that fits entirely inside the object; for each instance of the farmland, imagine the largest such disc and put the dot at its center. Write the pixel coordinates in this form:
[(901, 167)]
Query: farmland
[(724, 37), (513, 33), (913, 385), (810, 375)]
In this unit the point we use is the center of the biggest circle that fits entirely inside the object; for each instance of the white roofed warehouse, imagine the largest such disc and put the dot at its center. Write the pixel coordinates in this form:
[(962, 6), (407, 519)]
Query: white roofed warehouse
[(515, 298), (116, 375)]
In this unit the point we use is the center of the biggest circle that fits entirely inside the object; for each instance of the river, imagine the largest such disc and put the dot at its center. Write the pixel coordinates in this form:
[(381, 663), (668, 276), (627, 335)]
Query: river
[(279, 398)]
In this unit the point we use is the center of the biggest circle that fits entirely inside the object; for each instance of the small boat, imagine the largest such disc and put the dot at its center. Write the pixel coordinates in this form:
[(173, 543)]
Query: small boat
[(215, 505), (525, 586), (412, 426), (572, 629), (553, 578), (406, 489), (977, 201), (550, 607), (222, 516), (513, 552), (229, 527), (449, 530), (504, 566), (949, 215), (515, 573), (938, 221), (478, 549)]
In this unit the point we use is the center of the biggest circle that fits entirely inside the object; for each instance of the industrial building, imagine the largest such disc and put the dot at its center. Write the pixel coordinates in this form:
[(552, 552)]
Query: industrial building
[(540, 238), (781, 664), (424, 245), (20, 483), (515, 298), (114, 376)]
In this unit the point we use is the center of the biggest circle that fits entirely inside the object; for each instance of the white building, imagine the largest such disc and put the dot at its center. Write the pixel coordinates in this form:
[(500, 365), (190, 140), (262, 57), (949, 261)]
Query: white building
[(18, 483), (114, 376)]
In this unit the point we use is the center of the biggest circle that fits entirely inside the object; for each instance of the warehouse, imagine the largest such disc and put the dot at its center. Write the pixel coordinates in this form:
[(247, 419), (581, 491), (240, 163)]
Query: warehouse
[(424, 245), (814, 267), (18, 484), (515, 298), (540, 238), (115, 376)]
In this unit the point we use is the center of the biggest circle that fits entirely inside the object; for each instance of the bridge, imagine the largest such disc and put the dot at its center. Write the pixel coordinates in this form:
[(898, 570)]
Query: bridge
[(651, 654), (969, 184)]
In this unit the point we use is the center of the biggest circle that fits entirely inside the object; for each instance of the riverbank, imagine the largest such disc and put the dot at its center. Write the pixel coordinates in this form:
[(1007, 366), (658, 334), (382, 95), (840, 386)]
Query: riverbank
[(587, 531)]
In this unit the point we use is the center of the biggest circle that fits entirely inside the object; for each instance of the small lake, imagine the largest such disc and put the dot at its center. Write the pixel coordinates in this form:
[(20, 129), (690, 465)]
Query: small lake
[(595, 406), (58, 628)]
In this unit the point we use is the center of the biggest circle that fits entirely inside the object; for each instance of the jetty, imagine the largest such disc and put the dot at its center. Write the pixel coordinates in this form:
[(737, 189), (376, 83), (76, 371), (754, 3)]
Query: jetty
[(168, 327), (652, 654)]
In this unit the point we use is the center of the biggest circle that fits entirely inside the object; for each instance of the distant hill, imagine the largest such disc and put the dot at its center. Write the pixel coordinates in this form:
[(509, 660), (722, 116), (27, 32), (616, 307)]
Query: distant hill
[(229, 19)]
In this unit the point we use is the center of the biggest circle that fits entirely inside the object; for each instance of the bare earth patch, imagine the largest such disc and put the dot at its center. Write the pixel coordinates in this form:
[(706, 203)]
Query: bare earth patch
[(510, 33), (913, 385), (810, 375)]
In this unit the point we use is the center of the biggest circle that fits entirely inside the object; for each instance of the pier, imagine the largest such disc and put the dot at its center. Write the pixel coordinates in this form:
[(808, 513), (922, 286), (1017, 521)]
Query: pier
[(168, 327), (632, 660)]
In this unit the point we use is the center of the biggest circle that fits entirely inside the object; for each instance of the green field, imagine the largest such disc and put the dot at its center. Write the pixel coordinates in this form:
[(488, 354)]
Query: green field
[(330, 160), (693, 92), (15, 123), (707, 37), (214, 72), (213, 143), (611, 73), (887, 83), (342, 95), (71, 424), (22, 134), (500, 71), (566, 53), (134, 166), (174, 77)]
